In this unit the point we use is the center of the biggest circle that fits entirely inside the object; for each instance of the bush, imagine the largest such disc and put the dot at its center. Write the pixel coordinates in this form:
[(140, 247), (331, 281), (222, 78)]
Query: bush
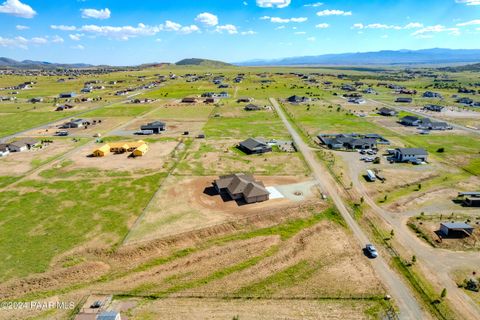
[(441, 150)]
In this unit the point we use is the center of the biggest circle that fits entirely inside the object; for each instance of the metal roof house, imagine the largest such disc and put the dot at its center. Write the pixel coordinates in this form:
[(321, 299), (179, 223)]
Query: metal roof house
[(66, 95), (155, 126), (410, 121), (252, 107), (387, 112), (109, 315), (254, 146), (456, 229), (348, 141), (242, 186), (404, 100), (414, 155)]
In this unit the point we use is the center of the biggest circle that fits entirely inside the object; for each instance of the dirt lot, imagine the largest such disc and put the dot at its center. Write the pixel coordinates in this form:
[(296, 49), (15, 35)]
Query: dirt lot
[(18, 163), (202, 309), (207, 157), (174, 128), (186, 203), (105, 126), (430, 225), (154, 158)]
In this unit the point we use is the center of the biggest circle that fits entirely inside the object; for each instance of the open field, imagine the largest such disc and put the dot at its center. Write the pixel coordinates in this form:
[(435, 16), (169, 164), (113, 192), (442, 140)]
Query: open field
[(152, 232)]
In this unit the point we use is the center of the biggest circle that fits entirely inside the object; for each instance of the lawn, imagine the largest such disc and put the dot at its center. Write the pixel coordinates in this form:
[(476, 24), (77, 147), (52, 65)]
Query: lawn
[(183, 112), (17, 122), (119, 110)]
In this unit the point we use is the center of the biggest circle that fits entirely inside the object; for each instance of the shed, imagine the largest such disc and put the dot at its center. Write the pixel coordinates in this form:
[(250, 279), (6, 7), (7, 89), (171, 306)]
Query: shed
[(102, 151), (456, 229), (141, 150), (109, 315)]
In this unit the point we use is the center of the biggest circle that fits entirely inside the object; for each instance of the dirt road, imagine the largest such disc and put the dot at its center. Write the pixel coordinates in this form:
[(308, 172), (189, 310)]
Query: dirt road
[(439, 261), (408, 306)]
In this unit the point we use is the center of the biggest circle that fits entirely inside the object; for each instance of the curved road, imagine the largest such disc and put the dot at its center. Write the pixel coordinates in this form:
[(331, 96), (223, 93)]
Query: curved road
[(404, 298), (439, 261)]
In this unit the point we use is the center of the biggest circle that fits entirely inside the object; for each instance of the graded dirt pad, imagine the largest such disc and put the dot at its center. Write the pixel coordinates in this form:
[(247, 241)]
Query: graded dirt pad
[(174, 128), (203, 309), (337, 267), (17, 163), (154, 159), (187, 203)]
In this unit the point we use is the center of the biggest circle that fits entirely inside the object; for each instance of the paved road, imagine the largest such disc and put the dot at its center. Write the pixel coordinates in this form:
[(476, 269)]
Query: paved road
[(454, 125), (439, 261), (408, 305)]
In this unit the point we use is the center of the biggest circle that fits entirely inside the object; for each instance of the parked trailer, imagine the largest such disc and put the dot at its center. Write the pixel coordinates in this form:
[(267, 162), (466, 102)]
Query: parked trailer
[(371, 175)]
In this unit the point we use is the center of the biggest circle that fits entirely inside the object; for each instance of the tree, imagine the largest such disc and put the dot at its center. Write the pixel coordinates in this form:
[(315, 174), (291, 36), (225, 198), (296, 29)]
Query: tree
[(392, 233), (441, 150), (444, 293), (414, 259), (419, 186)]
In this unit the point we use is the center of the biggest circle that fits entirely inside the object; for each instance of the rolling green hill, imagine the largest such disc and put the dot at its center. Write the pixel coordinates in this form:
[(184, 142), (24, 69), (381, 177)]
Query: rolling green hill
[(202, 62)]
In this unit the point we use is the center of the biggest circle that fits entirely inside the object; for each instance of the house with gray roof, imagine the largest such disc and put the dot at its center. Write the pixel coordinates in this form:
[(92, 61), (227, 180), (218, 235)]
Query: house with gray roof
[(456, 229), (241, 186), (411, 121), (387, 112), (254, 146), (413, 155), (155, 126)]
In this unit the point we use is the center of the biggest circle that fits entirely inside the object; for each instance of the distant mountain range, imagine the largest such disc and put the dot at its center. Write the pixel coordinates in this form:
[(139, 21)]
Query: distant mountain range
[(30, 64), (387, 57)]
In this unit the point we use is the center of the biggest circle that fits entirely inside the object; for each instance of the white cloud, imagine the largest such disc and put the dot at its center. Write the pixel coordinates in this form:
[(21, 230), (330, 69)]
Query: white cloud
[(469, 23), (469, 2), (248, 33), (411, 25), (96, 14), (124, 32), (20, 27), (76, 37), (189, 29), (207, 19), (322, 26), (273, 3), (300, 33), (333, 13), (428, 31), (314, 5), (171, 26), (17, 8), (57, 39), (280, 27), (78, 47), (229, 28), (311, 39), (63, 27), (23, 43), (284, 20), (158, 40)]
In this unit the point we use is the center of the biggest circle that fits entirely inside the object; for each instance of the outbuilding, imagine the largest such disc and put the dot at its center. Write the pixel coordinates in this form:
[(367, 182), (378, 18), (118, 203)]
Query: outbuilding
[(456, 229)]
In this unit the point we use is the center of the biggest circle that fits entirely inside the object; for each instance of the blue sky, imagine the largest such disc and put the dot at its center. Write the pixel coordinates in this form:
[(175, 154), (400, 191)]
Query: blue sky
[(134, 32)]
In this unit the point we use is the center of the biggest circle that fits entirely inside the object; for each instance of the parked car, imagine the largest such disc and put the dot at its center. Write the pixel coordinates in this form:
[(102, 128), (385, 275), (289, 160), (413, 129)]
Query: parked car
[(371, 251)]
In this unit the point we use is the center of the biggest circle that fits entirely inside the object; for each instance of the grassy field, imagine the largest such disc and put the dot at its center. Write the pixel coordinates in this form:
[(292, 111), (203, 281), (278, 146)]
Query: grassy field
[(52, 216)]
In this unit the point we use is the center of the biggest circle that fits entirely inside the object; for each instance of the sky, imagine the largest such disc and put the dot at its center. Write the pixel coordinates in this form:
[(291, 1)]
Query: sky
[(144, 31)]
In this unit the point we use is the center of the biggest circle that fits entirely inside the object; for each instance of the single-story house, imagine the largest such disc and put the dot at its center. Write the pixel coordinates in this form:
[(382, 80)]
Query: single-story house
[(411, 121), (244, 99), (357, 100), (156, 126), (404, 100), (410, 155), (430, 94), (435, 108), (349, 141), (77, 123), (189, 100), (36, 100), (254, 146), (252, 107), (211, 100), (387, 112), (298, 99), (428, 124), (67, 95), (456, 229), (242, 186), (223, 94), (17, 146)]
